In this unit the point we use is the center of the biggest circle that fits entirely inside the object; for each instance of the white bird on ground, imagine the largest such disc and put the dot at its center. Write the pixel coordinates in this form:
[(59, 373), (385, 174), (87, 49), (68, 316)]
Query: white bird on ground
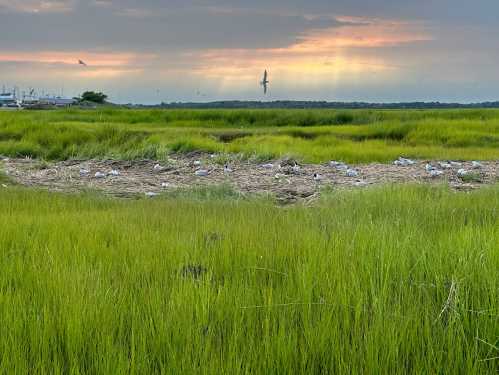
[(296, 168), (100, 175), (268, 166), (201, 173), (436, 173), (164, 185), (342, 167), (150, 194), (403, 162), (197, 163), (476, 165), (445, 165), (317, 177), (227, 169), (462, 172), (114, 173), (84, 172), (429, 167), (157, 167), (352, 173)]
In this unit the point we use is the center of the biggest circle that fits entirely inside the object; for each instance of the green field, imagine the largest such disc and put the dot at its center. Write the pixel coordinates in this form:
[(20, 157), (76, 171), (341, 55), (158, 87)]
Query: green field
[(308, 135), (394, 280)]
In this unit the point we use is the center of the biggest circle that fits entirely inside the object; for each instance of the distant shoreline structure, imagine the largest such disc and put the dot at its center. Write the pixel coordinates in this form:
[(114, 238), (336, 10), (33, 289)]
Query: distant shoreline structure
[(291, 104)]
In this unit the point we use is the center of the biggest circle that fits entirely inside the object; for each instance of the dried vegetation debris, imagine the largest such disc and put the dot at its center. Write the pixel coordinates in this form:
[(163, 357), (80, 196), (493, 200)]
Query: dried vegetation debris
[(288, 179)]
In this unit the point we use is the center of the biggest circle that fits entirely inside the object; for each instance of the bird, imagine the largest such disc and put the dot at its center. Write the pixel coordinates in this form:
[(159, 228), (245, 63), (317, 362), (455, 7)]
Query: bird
[(165, 185), (114, 172), (84, 172), (100, 175), (157, 168), (429, 167), (265, 82), (201, 173), (317, 177), (197, 163), (81, 62), (151, 194), (445, 165), (296, 168), (436, 173), (352, 173), (403, 162), (227, 169), (476, 164)]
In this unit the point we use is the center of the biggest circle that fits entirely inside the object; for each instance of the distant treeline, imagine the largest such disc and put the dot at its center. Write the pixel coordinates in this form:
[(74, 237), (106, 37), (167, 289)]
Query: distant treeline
[(288, 104)]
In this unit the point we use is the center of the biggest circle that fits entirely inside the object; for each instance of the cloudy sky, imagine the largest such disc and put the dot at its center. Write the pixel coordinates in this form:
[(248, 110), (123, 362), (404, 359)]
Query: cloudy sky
[(150, 51)]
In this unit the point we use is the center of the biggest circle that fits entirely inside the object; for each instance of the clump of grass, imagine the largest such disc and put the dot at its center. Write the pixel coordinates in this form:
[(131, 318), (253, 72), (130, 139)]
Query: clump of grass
[(471, 177)]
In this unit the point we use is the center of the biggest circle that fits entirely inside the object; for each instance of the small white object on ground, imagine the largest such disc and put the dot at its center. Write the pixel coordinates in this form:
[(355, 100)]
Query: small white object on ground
[(456, 164), (296, 168), (352, 173), (476, 164), (84, 172), (165, 185), (100, 175), (317, 177), (150, 194), (4, 186), (197, 163), (227, 169), (462, 172), (157, 167), (436, 173), (268, 166), (360, 183), (213, 156), (445, 165), (201, 173), (403, 162), (429, 167), (278, 176), (114, 172)]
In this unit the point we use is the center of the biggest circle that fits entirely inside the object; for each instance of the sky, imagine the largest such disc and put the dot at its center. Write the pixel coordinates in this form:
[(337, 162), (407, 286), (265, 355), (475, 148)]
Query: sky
[(151, 51)]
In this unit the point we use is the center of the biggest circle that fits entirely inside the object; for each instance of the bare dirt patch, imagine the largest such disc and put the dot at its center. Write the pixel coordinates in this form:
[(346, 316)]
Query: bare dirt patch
[(285, 180)]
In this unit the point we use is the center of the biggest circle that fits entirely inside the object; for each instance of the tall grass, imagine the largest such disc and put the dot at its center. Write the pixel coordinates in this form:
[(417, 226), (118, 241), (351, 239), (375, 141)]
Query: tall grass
[(313, 136), (390, 280)]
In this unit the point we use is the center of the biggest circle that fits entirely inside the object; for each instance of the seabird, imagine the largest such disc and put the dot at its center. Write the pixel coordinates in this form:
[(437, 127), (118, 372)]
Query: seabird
[(81, 62), (317, 177), (352, 173), (227, 169), (114, 172), (201, 173), (265, 82), (100, 175)]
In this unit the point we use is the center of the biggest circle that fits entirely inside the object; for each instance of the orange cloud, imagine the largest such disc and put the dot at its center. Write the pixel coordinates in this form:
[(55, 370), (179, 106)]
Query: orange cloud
[(326, 54)]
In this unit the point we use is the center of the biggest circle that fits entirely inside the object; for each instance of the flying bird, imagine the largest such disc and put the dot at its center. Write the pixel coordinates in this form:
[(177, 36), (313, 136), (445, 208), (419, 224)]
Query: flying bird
[(81, 62), (265, 82)]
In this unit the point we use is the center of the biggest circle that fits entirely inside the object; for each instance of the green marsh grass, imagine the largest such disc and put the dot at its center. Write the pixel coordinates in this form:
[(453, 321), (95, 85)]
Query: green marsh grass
[(310, 135), (392, 280)]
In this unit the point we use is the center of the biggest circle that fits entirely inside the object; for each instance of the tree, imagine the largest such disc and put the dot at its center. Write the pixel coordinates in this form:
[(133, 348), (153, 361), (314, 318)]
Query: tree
[(94, 97)]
